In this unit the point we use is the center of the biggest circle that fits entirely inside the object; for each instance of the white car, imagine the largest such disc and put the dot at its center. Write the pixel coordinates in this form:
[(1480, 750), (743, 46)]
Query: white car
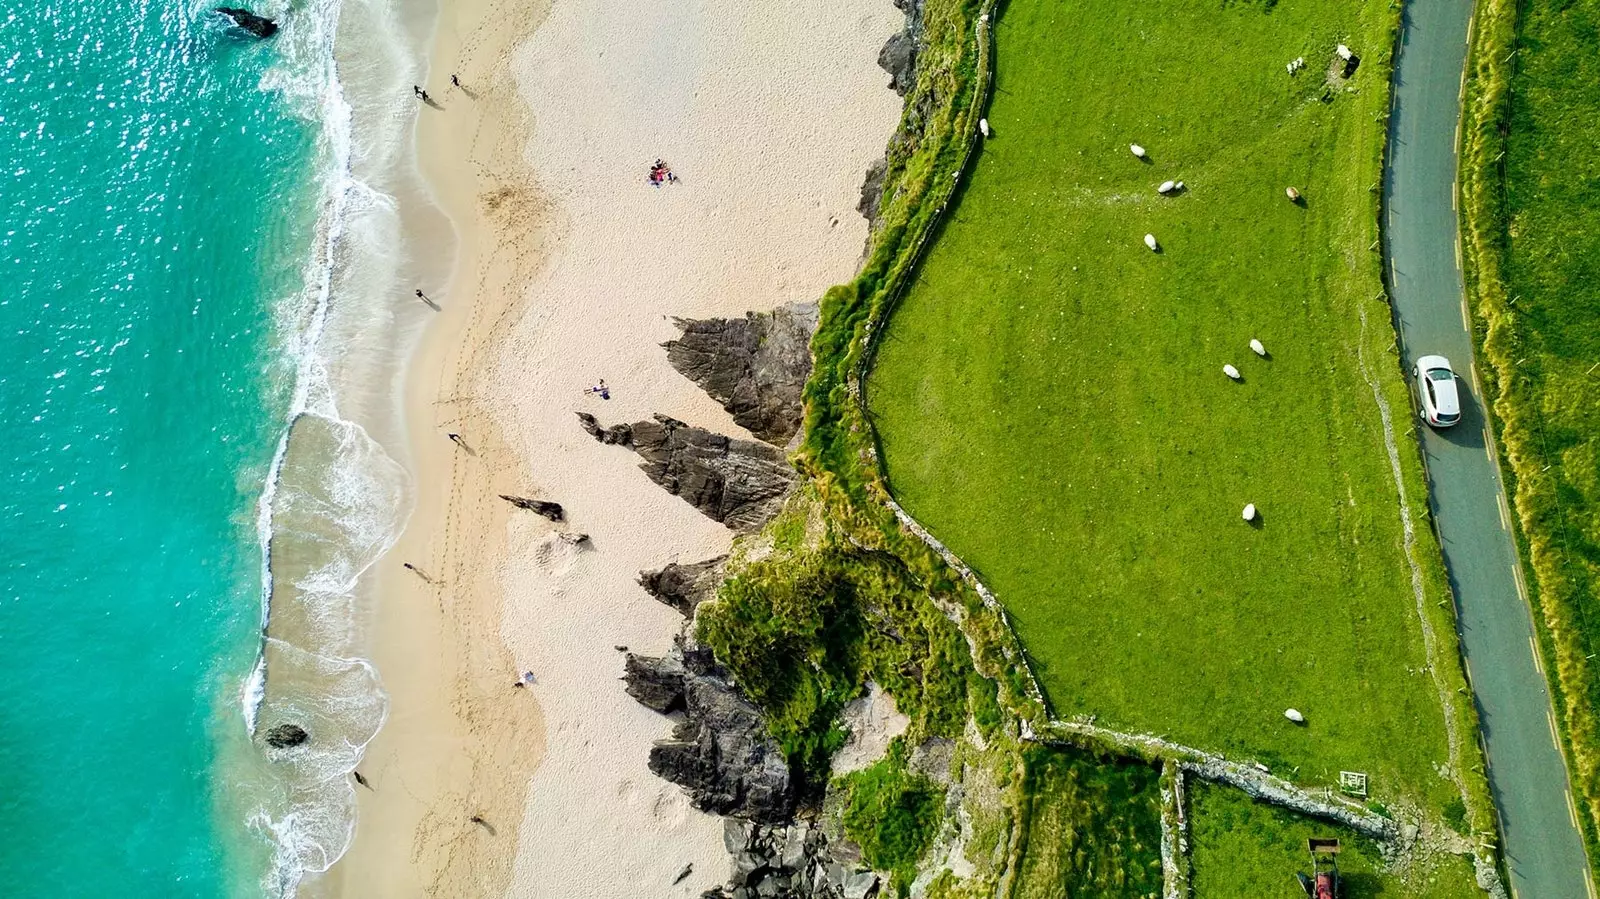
[(1441, 401)]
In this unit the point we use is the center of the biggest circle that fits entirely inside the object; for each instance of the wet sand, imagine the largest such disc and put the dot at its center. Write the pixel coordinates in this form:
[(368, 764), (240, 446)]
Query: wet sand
[(569, 270)]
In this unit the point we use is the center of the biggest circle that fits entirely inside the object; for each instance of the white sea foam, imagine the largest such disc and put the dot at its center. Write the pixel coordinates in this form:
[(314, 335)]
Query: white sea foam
[(335, 499)]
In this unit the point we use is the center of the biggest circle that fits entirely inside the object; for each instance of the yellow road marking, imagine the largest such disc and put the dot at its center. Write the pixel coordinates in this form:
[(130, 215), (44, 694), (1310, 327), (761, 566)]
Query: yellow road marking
[(1505, 517), (1522, 588), (1572, 809), (1551, 717), (1588, 881), (1538, 664), (1458, 268)]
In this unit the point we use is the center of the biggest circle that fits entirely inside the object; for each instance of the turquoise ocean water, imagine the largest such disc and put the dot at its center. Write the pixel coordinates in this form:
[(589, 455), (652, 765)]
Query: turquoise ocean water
[(166, 219)]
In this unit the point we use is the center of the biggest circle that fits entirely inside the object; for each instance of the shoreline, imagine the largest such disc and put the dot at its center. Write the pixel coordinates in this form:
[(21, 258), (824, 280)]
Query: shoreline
[(548, 294)]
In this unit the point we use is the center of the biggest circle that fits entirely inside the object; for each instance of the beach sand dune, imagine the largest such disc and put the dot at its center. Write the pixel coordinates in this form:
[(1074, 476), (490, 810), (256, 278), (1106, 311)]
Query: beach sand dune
[(571, 269)]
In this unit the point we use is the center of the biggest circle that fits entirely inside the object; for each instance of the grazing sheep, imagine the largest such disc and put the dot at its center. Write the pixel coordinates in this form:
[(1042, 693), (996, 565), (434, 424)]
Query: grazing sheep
[(1344, 52), (1167, 187), (983, 127), (1231, 372), (1259, 349), (1292, 194), (1294, 715), (1137, 150), (1150, 241), (1250, 512)]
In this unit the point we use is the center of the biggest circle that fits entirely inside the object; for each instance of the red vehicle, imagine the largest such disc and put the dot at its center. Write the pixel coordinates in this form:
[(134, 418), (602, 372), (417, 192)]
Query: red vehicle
[(1323, 882)]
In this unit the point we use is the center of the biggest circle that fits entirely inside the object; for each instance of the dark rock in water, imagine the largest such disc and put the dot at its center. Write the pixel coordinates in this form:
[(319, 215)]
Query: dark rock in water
[(656, 682), (552, 511), (621, 435), (723, 755), (754, 366), (249, 22), (740, 483), (684, 586), (283, 736)]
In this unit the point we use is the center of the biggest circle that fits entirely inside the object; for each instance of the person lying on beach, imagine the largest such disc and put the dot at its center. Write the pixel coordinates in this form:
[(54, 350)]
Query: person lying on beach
[(600, 388)]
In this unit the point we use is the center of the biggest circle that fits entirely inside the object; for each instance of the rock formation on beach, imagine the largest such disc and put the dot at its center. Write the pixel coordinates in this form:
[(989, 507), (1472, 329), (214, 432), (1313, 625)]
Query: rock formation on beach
[(740, 483), (754, 366), (285, 736), (788, 862), (899, 54), (249, 22), (684, 587), (552, 511), (721, 752)]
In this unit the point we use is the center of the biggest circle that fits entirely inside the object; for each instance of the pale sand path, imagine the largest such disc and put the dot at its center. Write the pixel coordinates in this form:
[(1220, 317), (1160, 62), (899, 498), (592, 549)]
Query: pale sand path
[(771, 117), (770, 114)]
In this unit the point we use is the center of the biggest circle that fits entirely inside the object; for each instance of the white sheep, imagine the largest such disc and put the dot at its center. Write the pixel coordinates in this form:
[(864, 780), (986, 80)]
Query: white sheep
[(1344, 52), (1231, 372), (1137, 150), (983, 127), (1260, 350), (1250, 512), (1294, 715), (1150, 241), (1292, 194), (1167, 187)]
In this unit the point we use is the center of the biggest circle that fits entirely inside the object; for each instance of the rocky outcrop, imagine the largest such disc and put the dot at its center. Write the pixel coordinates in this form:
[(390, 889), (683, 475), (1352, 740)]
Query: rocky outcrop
[(740, 483), (656, 682), (552, 511), (788, 862), (285, 736), (872, 192), (720, 753), (754, 366), (249, 22), (684, 587), (899, 55)]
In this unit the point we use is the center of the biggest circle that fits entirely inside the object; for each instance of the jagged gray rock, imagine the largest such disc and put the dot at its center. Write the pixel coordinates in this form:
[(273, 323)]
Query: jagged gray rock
[(656, 682), (721, 752), (284, 736), (899, 55), (249, 22), (740, 483), (872, 191), (754, 366), (788, 861), (552, 511), (684, 587), (616, 434)]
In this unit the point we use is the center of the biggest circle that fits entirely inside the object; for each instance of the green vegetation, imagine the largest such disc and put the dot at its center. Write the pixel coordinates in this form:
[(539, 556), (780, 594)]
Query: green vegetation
[(1091, 827), (1051, 403), (893, 814), (1244, 848), (1531, 208), (806, 627)]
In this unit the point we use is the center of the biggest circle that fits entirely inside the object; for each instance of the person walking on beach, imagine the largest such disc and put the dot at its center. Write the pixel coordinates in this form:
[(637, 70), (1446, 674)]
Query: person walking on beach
[(426, 299), (456, 439), (421, 94), (418, 572), (454, 81)]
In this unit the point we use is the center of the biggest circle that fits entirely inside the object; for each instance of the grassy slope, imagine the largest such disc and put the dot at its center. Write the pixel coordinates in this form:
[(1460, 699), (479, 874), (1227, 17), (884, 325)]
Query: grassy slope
[(1051, 404), (1092, 828), (1531, 185), (1242, 848)]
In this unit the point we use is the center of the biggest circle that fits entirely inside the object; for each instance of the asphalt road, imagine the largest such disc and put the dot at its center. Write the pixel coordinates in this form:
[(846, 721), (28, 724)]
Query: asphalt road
[(1527, 773)]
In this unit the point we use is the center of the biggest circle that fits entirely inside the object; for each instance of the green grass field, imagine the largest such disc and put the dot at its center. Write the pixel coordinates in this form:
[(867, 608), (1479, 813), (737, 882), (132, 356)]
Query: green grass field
[(1090, 828), (1543, 315), (1051, 403), (1241, 848)]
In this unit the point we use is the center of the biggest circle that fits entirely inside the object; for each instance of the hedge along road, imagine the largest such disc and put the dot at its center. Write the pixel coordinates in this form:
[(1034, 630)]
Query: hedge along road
[(1527, 772)]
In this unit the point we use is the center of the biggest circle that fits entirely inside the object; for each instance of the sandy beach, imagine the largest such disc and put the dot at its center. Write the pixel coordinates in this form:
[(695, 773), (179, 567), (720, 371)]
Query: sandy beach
[(569, 270)]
